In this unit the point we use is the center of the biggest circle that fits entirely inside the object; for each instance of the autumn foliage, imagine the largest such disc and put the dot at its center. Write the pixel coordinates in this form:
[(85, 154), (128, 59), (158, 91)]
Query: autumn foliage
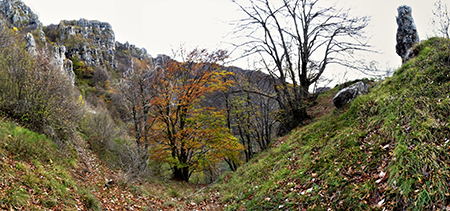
[(171, 124)]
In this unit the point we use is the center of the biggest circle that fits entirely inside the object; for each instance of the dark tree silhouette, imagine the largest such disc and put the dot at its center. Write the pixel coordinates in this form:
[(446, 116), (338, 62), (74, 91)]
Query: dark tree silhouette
[(297, 40)]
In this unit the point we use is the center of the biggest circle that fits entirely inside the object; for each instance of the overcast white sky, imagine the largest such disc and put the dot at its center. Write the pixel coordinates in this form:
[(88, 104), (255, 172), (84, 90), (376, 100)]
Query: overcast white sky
[(163, 25)]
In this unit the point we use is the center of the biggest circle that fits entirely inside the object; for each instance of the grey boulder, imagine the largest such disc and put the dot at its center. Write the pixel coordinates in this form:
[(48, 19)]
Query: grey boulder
[(348, 94)]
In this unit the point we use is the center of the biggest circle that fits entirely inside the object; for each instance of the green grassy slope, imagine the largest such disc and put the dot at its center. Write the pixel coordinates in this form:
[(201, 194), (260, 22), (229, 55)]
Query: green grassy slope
[(34, 175), (388, 149)]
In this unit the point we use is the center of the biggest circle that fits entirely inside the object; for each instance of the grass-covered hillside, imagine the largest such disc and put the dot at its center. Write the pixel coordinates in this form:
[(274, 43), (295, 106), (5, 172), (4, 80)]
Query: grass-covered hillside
[(387, 149), (36, 175)]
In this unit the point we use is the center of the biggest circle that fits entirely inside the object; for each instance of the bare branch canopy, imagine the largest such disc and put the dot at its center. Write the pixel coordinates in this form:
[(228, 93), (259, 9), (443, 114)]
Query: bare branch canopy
[(297, 40)]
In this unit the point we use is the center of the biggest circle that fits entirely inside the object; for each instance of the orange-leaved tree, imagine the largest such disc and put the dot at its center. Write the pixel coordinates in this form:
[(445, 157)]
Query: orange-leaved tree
[(192, 136)]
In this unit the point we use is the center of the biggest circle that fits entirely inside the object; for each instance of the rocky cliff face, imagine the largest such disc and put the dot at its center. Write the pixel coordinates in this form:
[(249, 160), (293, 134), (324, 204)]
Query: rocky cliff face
[(30, 44), (140, 53), (65, 65), (91, 41), (125, 52), (58, 55), (19, 14)]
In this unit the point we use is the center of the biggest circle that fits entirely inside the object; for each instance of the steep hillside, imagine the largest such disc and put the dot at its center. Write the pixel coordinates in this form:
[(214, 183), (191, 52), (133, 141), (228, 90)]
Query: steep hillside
[(387, 150), (36, 175)]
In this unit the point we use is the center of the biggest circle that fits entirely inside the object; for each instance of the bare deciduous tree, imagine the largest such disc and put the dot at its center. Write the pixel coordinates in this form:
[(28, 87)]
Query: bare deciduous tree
[(441, 19), (136, 89), (251, 116), (297, 40)]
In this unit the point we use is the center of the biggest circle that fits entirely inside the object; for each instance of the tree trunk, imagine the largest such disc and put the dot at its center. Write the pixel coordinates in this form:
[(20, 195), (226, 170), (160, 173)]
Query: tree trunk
[(233, 165), (181, 174), (294, 117)]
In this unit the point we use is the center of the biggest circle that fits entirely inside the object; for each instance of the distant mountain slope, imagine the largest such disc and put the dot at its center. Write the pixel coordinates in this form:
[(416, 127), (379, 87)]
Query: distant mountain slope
[(389, 149)]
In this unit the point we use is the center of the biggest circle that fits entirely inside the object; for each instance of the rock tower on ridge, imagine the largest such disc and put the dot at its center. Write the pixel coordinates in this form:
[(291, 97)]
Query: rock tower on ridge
[(407, 34)]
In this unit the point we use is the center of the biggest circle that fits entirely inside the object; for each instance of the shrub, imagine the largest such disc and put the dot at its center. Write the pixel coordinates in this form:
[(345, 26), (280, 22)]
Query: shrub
[(90, 201), (100, 131), (105, 139), (34, 91), (100, 76)]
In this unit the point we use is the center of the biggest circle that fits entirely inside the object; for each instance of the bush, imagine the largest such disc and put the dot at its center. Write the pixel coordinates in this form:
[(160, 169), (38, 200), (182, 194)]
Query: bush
[(106, 140), (91, 202), (100, 131), (35, 92), (99, 126), (52, 33), (100, 77)]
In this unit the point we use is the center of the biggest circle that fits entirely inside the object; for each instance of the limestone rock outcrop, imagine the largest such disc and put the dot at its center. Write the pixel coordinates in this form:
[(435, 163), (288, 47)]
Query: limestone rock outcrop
[(42, 36), (90, 40), (19, 14), (407, 34), (161, 61), (126, 52), (139, 53), (30, 44), (64, 65), (348, 94)]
